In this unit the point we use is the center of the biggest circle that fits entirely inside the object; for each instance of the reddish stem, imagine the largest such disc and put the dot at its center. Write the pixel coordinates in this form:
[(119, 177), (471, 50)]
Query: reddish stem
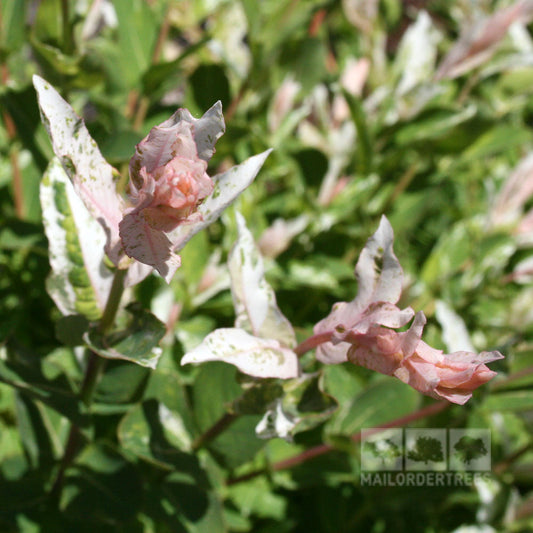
[(325, 448), (313, 342)]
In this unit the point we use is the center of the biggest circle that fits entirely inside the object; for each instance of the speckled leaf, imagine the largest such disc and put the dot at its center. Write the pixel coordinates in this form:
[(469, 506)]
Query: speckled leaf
[(262, 358), (253, 298), (138, 342), (227, 187), (93, 178), (148, 245), (79, 282)]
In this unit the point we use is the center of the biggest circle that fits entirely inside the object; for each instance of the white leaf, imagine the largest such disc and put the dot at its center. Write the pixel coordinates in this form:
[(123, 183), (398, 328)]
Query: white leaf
[(276, 423), (257, 357), (417, 54), (253, 298), (93, 178), (454, 332)]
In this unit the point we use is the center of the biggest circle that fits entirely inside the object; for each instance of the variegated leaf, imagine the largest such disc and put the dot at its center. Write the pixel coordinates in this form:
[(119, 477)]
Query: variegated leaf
[(262, 358), (93, 178), (79, 282), (253, 298)]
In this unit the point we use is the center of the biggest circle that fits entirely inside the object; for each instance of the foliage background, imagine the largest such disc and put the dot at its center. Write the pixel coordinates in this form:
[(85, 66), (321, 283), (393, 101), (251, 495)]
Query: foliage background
[(431, 150)]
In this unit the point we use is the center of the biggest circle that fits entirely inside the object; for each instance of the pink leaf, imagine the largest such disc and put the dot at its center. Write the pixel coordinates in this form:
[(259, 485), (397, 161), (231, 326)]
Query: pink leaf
[(148, 245), (379, 277), (180, 135)]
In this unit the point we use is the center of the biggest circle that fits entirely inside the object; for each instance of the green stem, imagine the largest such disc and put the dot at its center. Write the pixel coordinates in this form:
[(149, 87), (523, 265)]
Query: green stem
[(321, 449), (227, 419), (95, 365), (113, 301), (67, 30)]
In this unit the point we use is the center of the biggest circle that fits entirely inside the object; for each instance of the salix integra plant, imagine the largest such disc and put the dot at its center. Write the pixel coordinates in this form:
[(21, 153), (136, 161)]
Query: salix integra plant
[(102, 241), (93, 229), (368, 331)]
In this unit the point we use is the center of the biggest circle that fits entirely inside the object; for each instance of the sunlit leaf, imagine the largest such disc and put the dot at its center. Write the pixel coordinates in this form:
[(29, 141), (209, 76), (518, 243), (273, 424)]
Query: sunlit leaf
[(263, 358), (79, 282), (93, 178), (253, 298)]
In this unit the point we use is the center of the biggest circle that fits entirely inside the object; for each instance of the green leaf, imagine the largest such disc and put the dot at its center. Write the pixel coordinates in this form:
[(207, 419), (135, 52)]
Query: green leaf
[(137, 32), (257, 397), (438, 124), (142, 432), (102, 486), (56, 393), (120, 147), (12, 25), (58, 62), (214, 391), (256, 498), (71, 328), (509, 401), (210, 84), (137, 342), (79, 282), (364, 141), (121, 383), (303, 406), (36, 432), (498, 139), (171, 425), (384, 401)]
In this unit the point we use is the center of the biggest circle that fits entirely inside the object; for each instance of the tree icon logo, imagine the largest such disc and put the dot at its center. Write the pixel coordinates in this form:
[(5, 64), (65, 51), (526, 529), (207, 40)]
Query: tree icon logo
[(470, 449), (425, 449), (381, 451)]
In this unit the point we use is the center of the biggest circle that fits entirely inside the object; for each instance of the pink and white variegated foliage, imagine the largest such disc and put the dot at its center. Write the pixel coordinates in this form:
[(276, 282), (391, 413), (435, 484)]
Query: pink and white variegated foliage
[(171, 197), (261, 342), (365, 332)]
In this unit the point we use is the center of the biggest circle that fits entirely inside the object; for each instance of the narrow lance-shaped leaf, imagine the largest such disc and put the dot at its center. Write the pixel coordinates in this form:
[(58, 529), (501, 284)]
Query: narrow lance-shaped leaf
[(379, 276), (93, 178), (253, 298), (378, 271), (262, 358), (79, 282), (417, 53)]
